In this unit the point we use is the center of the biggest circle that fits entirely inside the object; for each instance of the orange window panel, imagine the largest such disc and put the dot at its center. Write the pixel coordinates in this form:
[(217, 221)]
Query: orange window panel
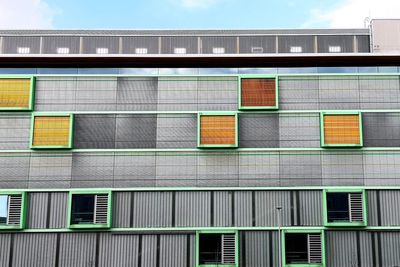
[(15, 93), (341, 129), (217, 130), (258, 92), (51, 131)]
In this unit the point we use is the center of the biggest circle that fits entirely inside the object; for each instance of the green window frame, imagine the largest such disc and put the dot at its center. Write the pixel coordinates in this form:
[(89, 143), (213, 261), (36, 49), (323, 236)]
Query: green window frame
[(216, 231), (322, 130), (31, 92), (303, 231), (71, 130), (257, 76), (92, 225), (199, 145), (349, 223), (22, 213)]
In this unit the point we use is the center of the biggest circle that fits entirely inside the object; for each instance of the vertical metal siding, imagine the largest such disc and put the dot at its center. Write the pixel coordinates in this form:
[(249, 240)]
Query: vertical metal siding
[(306, 42), (118, 250), (121, 209), (77, 249), (152, 209), (389, 203), (130, 43), (137, 93), (310, 208), (58, 210), (37, 210), (193, 209), (341, 248), (342, 168), (168, 43), (227, 42), (14, 131), (176, 131), (34, 249), (344, 42), (258, 169), (5, 243), (173, 250), (243, 208), (258, 130), (11, 44), (372, 207), (366, 249), (223, 208), (149, 250), (246, 43), (258, 248), (390, 242), (90, 44), (266, 203)]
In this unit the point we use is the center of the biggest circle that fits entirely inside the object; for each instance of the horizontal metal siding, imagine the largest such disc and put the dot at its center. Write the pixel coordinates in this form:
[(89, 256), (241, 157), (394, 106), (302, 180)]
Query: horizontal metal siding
[(173, 250), (77, 249), (118, 250), (299, 130), (37, 210), (34, 249), (310, 208), (336, 92), (342, 168), (14, 131), (137, 93), (176, 131), (14, 170), (193, 209), (298, 93), (258, 130), (58, 210)]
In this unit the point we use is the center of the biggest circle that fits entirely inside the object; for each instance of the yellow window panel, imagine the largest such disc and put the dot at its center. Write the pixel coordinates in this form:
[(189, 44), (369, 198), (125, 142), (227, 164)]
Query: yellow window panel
[(217, 130), (51, 131), (15, 93), (342, 129)]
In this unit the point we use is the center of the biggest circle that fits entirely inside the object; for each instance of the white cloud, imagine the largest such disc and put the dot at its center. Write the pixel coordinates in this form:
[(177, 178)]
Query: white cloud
[(198, 3), (352, 13), (25, 14)]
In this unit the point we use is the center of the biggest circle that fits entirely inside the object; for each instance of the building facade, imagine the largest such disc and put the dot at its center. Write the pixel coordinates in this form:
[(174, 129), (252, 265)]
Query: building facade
[(203, 148)]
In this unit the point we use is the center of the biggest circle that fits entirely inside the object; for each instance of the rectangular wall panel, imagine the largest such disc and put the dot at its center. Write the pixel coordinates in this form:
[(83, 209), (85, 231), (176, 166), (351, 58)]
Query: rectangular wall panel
[(137, 93), (14, 131), (192, 209), (118, 250)]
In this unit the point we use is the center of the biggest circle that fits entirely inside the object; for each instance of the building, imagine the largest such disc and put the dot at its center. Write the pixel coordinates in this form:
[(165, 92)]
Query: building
[(172, 148)]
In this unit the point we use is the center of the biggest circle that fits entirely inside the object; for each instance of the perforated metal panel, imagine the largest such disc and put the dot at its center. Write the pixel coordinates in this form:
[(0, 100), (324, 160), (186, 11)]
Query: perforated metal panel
[(14, 170), (341, 168), (135, 170), (176, 131), (300, 168), (55, 93), (331, 43), (171, 45), (298, 93), (27, 44), (339, 92), (136, 131), (171, 171), (218, 170), (217, 93), (258, 170), (299, 130), (14, 132), (257, 44), (177, 93), (363, 43), (305, 42), (131, 43), (209, 43), (381, 129), (91, 44), (94, 131), (137, 93), (60, 45), (96, 93), (379, 92)]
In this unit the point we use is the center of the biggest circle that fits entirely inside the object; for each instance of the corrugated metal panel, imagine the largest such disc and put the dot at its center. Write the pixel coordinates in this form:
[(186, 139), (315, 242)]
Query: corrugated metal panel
[(173, 171), (379, 92), (14, 170), (223, 208), (34, 249), (58, 210), (389, 203), (258, 248), (152, 209), (366, 249), (137, 93), (266, 203), (193, 209), (135, 170), (363, 43), (118, 250), (12, 43), (299, 130), (243, 208), (50, 44), (300, 168), (344, 42), (5, 242), (94, 131), (336, 92), (77, 249), (92, 170), (136, 131), (390, 242), (177, 93), (50, 167), (96, 93), (342, 168), (176, 131), (258, 130), (218, 170), (121, 209), (252, 44), (287, 42), (217, 93), (208, 43), (91, 44), (341, 248), (298, 92), (310, 208), (37, 210), (55, 93), (14, 131), (258, 169), (169, 44), (372, 207), (173, 250), (149, 250), (129, 44), (381, 169), (381, 129)]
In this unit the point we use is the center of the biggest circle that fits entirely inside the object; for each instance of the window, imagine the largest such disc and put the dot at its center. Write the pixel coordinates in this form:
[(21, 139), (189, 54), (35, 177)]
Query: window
[(101, 50), (16, 93), (62, 50), (23, 50), (344, 208), (218, 50), (335, 49), (179, 50), (217, 130), (341, 129), (296, 49), (12, 210), (217, 249), (52, 131), (257, 49), (141, 50), (258, 92), (303, 248), (90, 210)]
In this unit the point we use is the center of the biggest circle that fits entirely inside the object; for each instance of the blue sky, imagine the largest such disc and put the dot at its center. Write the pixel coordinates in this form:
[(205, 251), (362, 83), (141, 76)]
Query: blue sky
[(189, 14)]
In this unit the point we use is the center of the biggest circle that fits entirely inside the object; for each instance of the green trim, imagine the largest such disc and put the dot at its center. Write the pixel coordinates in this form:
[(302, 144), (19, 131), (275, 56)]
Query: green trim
[(71, 130), (258, 76), (217, 230), (31, 93), (90, 225), (219, 113), (305, 230), (24, 206), (322, 114), (344, 224)]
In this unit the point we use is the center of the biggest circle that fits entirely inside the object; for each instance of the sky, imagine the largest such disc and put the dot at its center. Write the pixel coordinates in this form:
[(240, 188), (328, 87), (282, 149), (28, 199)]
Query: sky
[(192, 14)]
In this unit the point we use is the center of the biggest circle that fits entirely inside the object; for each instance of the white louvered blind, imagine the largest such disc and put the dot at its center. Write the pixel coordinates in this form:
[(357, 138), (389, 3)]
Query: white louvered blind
[(100, 209), (356, 207), (14, 209), (228, 248), (314, 248)]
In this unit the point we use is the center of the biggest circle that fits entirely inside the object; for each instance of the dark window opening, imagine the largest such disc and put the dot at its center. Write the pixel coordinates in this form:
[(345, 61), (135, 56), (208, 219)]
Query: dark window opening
[(296, 246), (210, 248), (338, 207), (3, 209), (82, 209)]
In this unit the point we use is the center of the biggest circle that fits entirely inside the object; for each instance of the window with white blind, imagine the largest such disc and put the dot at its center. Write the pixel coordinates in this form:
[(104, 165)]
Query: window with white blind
[(303, 248), (12, 210), (217, 249)]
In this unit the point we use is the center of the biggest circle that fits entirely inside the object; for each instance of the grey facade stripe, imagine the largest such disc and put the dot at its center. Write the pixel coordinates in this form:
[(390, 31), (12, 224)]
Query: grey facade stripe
[(298, 220), (242, 248), (292, 208), (232, 208), (173, 208), (212, 208), (48, 210), (271, 249), (378, 207), (253, 208), (158, 251), (11, 255), (131, 209), (373, 248), (379, 243), (57, 257), (97, 250), (358, 248), (140, 251), (188, 248)]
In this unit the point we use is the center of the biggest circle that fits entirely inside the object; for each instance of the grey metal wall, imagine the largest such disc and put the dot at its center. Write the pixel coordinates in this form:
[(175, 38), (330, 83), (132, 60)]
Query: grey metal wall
[(14, 131), (258, 248), (50, 44), (129, 44), (305, 42), (11, 44)]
